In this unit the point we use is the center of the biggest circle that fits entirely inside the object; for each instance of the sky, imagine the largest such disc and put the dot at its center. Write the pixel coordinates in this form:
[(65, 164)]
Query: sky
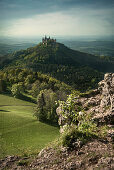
[(22, 18)]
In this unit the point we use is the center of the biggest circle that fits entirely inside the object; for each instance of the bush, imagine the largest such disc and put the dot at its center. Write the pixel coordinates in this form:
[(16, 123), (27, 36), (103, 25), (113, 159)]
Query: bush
[(23, 163), (80, 126), (70, 137), (70, 110), (40, 114), (74, 134)]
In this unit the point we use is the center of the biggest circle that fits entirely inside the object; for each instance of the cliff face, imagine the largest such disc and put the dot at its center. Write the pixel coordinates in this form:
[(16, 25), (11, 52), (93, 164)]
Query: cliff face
[(105, 110), (99, 102), (107, 92)]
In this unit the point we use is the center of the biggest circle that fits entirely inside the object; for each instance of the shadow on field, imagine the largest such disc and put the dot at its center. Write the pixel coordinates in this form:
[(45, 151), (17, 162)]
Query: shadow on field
[(21, 97), (4, 110), (26, 98), (55, 124)]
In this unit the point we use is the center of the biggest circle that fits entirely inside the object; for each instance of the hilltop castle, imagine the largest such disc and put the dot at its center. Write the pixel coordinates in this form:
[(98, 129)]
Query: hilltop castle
[(46, 40)]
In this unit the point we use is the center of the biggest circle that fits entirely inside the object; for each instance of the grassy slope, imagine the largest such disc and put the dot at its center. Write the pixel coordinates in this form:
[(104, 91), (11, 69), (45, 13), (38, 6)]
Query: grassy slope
[(20, 132)]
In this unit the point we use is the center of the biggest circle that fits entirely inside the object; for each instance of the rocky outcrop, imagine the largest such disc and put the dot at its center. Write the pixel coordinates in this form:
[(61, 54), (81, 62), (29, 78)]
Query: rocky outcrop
[(105, 111), (107, 92), (99, 102)]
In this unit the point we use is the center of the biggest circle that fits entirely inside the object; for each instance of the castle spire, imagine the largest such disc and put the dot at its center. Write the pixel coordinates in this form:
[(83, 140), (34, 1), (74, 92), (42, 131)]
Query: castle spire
[(46, 40)]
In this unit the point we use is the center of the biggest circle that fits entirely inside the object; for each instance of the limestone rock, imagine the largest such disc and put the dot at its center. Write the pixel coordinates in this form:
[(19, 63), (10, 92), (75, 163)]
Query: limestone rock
[(99, 102), (107, 92)]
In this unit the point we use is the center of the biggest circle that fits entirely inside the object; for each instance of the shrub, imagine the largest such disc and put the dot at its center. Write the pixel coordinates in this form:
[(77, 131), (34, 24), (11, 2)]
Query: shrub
[(80, 126), (75, 134), (70, 110), (40, 114), (70, 137), (23, 163)]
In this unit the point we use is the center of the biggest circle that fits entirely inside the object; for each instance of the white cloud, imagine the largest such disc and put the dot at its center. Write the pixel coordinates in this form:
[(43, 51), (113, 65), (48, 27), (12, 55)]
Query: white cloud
[(74, 22)]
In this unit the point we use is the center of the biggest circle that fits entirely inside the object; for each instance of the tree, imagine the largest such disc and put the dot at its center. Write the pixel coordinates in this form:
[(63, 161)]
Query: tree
[(2, 86), (17, 89), (40, 110), (46, 108)]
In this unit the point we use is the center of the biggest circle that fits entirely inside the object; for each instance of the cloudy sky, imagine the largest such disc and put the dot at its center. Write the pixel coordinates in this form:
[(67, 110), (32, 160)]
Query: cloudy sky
[(56, 17)]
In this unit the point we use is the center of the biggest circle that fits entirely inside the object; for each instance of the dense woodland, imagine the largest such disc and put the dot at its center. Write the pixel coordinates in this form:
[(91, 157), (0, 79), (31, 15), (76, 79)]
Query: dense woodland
[(80, 70), (34, 86), (49, 72)]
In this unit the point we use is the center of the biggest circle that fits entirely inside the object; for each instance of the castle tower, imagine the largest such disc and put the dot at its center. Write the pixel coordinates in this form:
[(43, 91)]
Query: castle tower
[(46, 40)]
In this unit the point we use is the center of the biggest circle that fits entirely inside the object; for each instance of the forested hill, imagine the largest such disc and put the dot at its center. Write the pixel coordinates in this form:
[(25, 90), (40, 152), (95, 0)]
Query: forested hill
[(57, 53), (72, 67)]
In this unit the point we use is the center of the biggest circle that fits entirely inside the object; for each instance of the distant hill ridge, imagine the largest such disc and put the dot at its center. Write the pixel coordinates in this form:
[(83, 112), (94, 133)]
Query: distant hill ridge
[(53, 58), (51, 52)]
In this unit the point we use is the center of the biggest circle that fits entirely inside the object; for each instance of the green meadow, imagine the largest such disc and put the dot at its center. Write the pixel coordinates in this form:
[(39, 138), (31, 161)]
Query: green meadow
[(20, 132)]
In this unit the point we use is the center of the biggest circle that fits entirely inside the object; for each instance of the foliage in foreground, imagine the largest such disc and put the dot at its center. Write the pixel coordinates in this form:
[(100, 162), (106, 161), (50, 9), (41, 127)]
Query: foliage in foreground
[(79, 125)]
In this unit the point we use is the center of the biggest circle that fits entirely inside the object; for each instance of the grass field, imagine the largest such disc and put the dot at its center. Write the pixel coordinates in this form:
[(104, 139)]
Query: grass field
[(20, 132)]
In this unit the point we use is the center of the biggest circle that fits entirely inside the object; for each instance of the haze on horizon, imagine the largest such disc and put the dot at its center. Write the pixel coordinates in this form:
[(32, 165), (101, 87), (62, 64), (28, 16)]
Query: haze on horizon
[(56, 17)]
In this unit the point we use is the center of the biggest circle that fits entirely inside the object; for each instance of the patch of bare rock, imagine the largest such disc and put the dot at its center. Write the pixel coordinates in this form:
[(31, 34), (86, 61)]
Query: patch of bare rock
[(92, 156), (102, 104)]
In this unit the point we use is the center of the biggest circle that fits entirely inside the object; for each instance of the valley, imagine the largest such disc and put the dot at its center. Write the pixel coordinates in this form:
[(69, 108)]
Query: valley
[(20, 132), (96, 47)]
